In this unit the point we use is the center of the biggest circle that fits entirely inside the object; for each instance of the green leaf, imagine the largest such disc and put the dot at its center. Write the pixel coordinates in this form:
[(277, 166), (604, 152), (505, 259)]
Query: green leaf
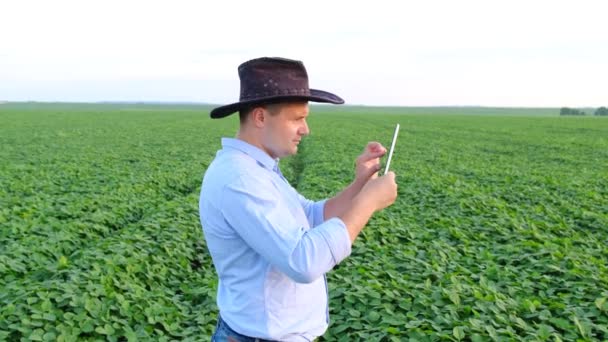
[(458, 333), (62, 262), (130, 334), (109, 329), (600, 303), (561, 323), (101, 330), (392, 330), (477, 338), (580, 327), (373, 316), (88, 326), (36, 335), (50, 336), (339, 328), (492, 332), (46, 305), (454, 297), (544, 331), (49, 317)]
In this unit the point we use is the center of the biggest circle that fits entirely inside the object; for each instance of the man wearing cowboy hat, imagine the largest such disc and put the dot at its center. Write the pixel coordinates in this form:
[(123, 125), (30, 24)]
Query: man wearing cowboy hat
[(271, 247)]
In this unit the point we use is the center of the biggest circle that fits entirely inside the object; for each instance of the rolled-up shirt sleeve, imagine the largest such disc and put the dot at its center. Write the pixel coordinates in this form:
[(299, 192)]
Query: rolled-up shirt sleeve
[(264, 222), (314, 210), (318, 210)]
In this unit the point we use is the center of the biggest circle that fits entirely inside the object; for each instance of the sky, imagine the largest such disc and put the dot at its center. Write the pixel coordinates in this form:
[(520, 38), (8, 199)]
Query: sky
[(533, 53)]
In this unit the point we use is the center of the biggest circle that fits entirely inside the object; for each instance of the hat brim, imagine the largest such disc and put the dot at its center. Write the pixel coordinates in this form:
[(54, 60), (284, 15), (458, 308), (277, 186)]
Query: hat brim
[(315, 96)]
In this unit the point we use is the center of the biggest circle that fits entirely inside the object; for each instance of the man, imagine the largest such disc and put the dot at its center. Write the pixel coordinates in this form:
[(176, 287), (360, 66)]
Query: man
[(271, 247)]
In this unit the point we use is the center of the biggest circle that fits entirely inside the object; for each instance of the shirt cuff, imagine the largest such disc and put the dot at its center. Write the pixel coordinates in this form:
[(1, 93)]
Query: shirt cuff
[(337, 238)]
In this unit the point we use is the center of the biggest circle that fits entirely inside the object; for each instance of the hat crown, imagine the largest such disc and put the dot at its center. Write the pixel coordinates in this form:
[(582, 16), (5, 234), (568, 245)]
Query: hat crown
[(272, 76)]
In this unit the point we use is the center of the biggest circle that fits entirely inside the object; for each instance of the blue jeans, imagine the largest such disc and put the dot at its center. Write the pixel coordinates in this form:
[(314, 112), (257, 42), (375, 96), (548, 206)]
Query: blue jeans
[(223, 333)]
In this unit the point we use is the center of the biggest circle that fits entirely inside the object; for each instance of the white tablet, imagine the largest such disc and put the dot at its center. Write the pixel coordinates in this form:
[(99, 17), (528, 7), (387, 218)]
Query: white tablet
[(390, 153)]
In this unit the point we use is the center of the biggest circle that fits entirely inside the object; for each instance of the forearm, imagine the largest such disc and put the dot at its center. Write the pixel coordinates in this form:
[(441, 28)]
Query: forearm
[(356, 216), (378, 193), (339, 204)]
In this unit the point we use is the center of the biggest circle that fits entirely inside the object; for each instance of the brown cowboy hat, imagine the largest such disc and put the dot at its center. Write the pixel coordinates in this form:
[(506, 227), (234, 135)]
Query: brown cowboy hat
[(271, 80)]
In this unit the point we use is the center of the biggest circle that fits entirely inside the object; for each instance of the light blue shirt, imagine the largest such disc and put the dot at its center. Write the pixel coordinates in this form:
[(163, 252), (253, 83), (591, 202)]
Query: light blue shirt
[(270, 246)]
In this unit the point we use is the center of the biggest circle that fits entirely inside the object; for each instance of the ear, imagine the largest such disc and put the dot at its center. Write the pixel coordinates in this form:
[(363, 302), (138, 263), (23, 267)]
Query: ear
[(258, 116)]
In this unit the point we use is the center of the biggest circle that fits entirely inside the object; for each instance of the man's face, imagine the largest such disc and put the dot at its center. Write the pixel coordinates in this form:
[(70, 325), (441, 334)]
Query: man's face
[(285, 128)]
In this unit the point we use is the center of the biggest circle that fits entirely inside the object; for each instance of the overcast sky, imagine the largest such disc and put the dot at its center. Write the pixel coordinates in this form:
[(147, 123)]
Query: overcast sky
[(413, 53)]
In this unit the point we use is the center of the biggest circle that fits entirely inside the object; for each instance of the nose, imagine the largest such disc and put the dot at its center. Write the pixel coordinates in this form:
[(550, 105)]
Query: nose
[(304, 130)]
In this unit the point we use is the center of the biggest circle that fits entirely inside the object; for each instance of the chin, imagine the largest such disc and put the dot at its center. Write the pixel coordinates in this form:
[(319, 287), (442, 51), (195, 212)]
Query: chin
[(290, 152)]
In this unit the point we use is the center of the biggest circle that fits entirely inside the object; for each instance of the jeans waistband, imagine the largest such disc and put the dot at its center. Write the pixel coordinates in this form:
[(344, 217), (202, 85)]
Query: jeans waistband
[(223, 332)]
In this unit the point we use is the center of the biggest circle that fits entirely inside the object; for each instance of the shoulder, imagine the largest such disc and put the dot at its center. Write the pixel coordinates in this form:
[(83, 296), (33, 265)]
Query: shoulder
[(232, 170)]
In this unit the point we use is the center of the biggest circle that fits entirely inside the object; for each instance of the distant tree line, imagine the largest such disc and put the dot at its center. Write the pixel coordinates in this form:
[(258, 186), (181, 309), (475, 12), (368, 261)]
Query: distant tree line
[(602, 111), (570, 111)]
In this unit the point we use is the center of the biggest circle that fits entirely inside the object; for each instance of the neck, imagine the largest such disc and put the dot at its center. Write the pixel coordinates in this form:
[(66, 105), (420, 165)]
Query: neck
[(251, 137)]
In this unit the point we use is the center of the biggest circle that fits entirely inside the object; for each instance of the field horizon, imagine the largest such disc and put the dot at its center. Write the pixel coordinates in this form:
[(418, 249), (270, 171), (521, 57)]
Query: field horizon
[(204, 106)]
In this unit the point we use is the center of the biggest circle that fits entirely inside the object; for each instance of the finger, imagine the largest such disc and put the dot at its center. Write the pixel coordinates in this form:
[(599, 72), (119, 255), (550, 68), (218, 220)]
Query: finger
[(372, 157), (370, 169), (374, 143), (379, 153), (374, 146), (375, 170), (375, 153), (371, 151)]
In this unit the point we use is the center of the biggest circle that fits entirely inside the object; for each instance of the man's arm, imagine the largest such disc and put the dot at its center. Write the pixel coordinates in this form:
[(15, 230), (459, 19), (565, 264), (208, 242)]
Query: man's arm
[(337, 205), (377, 194)]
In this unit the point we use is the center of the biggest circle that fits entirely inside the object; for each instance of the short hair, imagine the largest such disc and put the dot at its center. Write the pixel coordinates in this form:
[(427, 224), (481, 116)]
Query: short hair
[(243, 113)]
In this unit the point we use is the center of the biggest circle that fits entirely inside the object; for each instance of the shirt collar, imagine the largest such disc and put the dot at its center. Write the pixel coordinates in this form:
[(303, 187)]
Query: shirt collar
[(254, 152)]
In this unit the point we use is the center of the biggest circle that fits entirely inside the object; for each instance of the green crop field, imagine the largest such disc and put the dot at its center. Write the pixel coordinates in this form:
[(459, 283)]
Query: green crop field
[(500, 230)]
